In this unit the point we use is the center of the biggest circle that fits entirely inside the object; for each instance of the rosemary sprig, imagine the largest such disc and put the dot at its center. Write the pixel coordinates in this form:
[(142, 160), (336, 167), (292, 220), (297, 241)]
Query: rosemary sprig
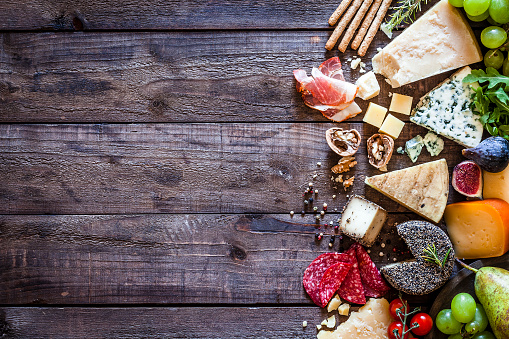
[(431, 255), (405, 13)]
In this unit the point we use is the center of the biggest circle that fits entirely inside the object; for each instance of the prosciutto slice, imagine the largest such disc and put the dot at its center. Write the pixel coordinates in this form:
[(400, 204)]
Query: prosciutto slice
[(327, 91)]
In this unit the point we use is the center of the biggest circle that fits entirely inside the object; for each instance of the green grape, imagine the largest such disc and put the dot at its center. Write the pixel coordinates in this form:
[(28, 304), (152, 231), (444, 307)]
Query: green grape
[(484, 335), (463, 307), (479, 18), (456, 3), (480, 321), (494, 58), (446, 323), (493, 22), (499, 11), (505, 67), (455, 336), (476, 7), (493, 37)]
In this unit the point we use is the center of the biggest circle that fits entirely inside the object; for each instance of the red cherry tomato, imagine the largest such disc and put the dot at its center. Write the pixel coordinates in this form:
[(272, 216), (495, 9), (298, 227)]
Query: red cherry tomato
[(395, 304), (397, 325), (424, 321)]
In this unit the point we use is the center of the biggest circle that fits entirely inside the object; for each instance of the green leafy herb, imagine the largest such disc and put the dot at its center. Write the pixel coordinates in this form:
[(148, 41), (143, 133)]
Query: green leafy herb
[(405, 13), (431, 255), (491, 100)]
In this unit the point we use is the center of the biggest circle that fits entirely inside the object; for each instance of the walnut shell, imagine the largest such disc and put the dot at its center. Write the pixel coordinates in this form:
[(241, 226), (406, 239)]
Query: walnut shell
[(380, 147), (343, 142)]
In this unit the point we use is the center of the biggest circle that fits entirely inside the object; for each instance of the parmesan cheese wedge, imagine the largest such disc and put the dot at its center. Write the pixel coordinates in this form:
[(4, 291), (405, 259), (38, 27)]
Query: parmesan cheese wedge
[(439, 41), (423, 189)]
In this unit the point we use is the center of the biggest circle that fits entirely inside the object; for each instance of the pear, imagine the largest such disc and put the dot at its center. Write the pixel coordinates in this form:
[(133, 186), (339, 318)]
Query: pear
[(492, 289)]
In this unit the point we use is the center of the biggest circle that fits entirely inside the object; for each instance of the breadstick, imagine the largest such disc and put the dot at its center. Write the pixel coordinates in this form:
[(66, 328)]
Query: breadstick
[(365, 24), (374, 27), (337, 13), (342, 24), (354, 24)]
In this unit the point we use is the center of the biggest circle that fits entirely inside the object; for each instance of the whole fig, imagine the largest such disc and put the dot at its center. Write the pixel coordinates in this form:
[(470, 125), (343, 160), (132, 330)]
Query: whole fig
[(491, 154)]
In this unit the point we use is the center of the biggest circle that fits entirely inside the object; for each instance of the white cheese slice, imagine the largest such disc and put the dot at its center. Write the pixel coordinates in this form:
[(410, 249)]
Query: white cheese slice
[(368, 86), (439, 41), (446, 111), (362, 220)]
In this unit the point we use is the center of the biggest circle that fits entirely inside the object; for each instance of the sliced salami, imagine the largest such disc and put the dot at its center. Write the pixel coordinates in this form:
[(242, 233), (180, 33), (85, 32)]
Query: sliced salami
[(369, 292), (315, 271), (351, 289), (370, 275), (331, 281)]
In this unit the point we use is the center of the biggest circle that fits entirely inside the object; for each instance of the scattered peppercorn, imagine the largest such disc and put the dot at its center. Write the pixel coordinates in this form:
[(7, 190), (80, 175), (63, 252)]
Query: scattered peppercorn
[(310, 200)]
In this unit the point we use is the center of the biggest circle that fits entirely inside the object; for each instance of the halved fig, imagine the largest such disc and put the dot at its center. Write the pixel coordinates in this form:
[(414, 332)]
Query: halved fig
[(380, 147), (467, 179), (343, 142)]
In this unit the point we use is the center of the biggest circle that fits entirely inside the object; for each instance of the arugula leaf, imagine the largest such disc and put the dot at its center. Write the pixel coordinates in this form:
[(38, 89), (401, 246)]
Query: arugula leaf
[(491, 75)]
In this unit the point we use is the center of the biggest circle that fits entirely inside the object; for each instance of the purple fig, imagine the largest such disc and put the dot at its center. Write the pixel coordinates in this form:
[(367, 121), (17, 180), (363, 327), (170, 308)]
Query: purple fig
[(467, 179), (491, 154)]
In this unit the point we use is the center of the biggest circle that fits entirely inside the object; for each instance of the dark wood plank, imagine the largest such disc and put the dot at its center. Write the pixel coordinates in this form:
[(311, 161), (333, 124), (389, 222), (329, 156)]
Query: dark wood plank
[(169, 77), (179, 168), (169, 259)]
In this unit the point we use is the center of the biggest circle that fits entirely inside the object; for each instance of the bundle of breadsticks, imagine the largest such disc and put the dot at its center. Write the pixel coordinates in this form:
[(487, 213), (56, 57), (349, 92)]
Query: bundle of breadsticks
[(357, 9)]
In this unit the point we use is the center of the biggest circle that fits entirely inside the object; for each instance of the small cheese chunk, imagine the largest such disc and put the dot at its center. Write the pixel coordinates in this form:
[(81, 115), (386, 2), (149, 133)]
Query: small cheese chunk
[(362, 220), (439, 41), (434, 144), (331, 321), (375, 114), (344, 309), (478, 229), (496, 185), (392, 126), (371, 321), (325, 335), (368, 86), (401, 104), (334, 303), (413, 147)]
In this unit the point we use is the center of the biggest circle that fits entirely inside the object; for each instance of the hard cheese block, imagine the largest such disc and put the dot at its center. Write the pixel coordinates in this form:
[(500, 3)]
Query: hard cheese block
[(401, 103), (362, 220), (478, 229), (439, 41), (422, 189), (496, 185), (392, 126), (368, 86), (375, 114), (446, 110)]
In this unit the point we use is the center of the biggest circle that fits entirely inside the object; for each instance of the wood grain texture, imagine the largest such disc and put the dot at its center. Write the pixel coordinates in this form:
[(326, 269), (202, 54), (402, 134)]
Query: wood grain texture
[(168, 259), (243, 76), (181, 168)]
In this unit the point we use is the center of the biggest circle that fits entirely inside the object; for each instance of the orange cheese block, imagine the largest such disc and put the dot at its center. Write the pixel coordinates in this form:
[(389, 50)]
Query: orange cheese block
[(478, 229), (496, 185)]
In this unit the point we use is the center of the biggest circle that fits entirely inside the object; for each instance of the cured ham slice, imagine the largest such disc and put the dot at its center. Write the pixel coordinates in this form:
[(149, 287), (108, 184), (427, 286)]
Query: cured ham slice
[(327, 91)]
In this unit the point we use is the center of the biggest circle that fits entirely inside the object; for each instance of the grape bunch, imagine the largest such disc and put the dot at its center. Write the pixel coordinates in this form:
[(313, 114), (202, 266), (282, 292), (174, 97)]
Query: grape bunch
[(465, 319), (494, 37)]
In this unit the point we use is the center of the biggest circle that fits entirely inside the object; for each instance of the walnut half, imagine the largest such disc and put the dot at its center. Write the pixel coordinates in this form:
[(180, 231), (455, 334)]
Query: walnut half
[(343, 142), (380, 147)]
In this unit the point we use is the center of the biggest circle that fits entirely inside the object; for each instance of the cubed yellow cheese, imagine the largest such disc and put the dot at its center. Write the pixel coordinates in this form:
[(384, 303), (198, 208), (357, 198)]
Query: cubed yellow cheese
[(496, 185), (478, 229), (392, 126), (375, 114), (401, 104), (368, 86)]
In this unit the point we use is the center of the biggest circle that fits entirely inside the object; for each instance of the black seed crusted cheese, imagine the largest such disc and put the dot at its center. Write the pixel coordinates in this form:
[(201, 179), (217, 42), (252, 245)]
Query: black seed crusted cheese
[(418, 276)]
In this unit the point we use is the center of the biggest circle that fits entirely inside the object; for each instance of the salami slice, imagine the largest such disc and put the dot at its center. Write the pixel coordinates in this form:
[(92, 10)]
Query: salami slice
[(370, 275), (331, 281), (369, 292), (315, 271), (351, 289)]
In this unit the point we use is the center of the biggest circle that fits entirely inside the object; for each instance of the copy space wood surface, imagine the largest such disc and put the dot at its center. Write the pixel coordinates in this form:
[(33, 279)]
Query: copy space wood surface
[(150, 154)]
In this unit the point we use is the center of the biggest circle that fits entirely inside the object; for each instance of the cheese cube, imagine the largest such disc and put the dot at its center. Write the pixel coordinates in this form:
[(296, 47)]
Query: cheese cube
[(362, 220), (401, 104), (368, 86), (478, 229), (392, 126), (496, 185), (334, 303), (375, 114)]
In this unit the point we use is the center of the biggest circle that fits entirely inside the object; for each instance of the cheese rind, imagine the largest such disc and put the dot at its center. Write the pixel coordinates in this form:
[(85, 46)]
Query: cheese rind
[(439, 41), (422, 189), (496, 185), (446, 111), (478, 229)]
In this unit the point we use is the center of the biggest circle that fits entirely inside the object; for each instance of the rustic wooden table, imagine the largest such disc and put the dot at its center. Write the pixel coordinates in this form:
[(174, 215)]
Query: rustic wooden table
[(150, 154)]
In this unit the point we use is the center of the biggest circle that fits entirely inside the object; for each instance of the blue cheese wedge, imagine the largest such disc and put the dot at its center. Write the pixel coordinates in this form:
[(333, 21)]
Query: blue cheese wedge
[(413, 147), (446, 111), (434, 144)]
